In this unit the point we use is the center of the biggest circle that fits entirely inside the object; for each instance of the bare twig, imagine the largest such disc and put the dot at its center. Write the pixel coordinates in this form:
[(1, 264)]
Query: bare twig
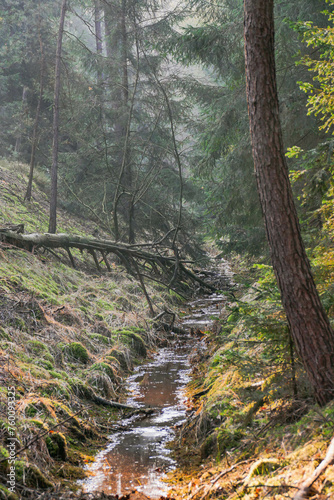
[(306, 485)]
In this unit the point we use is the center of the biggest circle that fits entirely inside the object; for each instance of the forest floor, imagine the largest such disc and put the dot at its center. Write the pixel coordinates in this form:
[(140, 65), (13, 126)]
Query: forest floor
[(255, 431), (68, 335)]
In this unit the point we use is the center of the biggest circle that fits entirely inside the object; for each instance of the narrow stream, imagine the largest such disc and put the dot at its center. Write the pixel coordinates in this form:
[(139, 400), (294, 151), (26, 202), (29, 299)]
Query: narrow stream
[(138, 458)]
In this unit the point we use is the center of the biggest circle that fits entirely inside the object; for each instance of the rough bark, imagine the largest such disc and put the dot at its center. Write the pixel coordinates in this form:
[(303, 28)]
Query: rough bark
[(54, 168), (309, 325)]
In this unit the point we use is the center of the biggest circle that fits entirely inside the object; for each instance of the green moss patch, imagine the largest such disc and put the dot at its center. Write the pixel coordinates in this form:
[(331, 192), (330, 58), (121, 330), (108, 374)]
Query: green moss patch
[(134, 341), (57, 445), (75, 351)]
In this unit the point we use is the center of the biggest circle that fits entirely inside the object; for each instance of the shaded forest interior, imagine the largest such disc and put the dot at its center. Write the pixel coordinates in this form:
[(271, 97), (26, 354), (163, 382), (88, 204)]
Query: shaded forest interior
[(128, 138)]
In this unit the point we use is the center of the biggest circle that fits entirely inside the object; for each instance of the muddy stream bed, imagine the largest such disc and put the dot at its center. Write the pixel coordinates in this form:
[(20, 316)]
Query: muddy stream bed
[(138, 457)]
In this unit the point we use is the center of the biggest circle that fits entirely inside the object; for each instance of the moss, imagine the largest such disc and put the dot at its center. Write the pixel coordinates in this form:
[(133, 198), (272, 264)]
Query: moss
[(99, 316), (36, 479), (219, 441), (19, 323), (46, 364), (121, 357), (55, 388), (55, 374), (57, 445), (39, 372), (39, 349), (100, 338), (82, 389), (4, 335), (31, 410), (105, 368), (77, 352), (72, 472), (38, 423), (8, 494), (113, 360), (103, 383), (134, 341), (3, 454), (262, 467), (208, 446)]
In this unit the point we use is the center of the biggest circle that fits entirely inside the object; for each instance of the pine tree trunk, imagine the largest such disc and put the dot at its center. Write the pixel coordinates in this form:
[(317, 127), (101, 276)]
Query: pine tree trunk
[(307, 320), (98, 39), (21, 126), (34, 140), (54, 168)]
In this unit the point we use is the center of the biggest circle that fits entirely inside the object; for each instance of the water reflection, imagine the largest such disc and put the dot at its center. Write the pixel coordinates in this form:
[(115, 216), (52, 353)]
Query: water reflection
[(138, 459)]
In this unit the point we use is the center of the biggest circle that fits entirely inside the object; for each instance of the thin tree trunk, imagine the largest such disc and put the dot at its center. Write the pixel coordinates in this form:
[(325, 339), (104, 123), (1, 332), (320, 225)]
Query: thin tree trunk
[(307, 320), (125, 176), (54, 169), (124, 55), (21, 126), (98, 39), (34, 140)]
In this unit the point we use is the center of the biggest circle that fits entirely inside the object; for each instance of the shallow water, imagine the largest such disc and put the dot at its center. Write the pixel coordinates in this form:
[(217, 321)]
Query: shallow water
[(138, 458)]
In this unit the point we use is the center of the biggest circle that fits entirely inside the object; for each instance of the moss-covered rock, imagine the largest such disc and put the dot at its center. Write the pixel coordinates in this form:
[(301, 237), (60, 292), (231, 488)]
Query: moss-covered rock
[(122, 357), (36, 479), (57, 445), (134, 341), (75, 351)]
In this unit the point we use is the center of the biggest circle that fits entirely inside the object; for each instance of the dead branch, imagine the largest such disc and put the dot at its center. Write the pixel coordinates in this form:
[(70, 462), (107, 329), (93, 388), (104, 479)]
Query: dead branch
[(158, 263), (304, 488), (42, 434)]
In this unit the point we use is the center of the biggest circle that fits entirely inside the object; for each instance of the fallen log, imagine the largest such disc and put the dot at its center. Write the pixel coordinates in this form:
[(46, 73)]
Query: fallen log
[(113, 404), (158, 265)]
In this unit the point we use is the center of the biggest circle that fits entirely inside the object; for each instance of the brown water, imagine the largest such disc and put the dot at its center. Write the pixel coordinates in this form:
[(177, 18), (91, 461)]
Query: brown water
[(138, 458)]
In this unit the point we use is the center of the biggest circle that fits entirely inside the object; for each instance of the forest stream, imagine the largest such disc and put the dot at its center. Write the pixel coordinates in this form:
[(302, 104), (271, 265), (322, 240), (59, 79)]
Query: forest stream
[(138, 456)]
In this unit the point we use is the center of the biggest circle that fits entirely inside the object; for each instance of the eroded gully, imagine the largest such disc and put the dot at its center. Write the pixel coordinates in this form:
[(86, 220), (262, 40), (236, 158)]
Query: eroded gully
[(138, 457)]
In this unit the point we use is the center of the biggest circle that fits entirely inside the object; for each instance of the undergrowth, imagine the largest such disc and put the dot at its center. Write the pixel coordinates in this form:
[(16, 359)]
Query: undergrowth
[(253, 405), (67, 335)]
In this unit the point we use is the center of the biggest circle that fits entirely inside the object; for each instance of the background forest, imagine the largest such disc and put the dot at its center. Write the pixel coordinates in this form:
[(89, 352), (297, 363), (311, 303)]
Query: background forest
[(132, 116), (153, 128)]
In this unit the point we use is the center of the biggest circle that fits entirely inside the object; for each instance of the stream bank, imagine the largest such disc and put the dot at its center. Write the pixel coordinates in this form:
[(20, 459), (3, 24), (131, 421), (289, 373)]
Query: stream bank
[(139, 455)]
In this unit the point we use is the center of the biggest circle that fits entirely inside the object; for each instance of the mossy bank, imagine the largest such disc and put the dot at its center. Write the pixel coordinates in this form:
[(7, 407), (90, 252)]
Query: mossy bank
[(66, 336), (255, 430)]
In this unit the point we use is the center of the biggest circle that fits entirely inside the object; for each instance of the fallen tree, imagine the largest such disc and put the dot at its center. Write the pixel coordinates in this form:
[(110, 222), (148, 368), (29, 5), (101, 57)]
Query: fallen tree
[(151, 261)]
